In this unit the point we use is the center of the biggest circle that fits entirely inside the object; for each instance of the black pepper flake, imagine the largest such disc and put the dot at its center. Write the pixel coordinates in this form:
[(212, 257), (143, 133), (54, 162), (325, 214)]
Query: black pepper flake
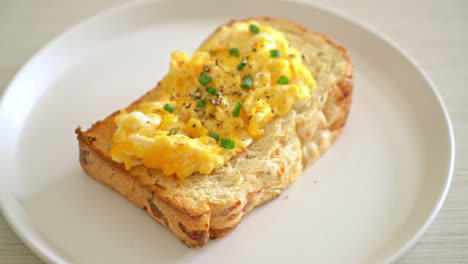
[(217, 63), (211, 115), (254, 50), (196, 95), (214, 102), (303, 57), (206, 68), (200, 111), (268, 97), (272, 111), (188, 106), (194, 125), (237, 92), (217, 124)]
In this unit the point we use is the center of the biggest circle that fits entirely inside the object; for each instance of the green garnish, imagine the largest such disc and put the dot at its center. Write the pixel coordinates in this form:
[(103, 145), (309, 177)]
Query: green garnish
[(173, 131), (275, 53), (213, 135), (168, 107), (212, 90), (204, 79), (254, 29), (247, 82), (241, 65), (237, 109), (201, 103), (283, 80), (234, 51), (227, 143)]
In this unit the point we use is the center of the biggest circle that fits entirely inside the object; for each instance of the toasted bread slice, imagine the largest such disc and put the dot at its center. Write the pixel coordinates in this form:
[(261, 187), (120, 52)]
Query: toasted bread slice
[(210, 206)]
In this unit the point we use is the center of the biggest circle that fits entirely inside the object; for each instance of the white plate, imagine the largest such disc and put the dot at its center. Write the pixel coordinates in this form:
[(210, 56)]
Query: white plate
[(367, 200)]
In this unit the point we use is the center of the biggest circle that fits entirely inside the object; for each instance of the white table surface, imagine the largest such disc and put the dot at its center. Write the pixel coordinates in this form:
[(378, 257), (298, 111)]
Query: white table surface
[(433, 32)]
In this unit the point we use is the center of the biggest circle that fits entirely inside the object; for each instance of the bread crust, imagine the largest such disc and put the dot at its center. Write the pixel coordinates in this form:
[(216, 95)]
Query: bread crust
[(304, 133)]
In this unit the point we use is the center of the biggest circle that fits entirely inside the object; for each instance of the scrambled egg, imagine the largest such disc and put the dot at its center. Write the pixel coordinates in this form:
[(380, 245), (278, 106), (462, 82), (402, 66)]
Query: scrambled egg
[(213, 104)]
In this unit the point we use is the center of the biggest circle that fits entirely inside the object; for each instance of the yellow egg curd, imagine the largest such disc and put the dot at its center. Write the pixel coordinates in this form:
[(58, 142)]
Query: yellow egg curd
[(213, 104)]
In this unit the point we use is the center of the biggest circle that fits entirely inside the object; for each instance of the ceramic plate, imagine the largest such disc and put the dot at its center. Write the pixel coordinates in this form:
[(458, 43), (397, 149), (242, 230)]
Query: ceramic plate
[(367, 200)]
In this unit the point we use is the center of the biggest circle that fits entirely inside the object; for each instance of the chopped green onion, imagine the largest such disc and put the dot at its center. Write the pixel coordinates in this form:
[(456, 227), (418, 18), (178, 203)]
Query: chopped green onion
[(173, 131), (227, 143), (247, 82), (213, 135), (204, 79), (234, 51), (283, 80), (254, 29), (201, 103), (275, 53), (237, 109), (212, 90), (170, 108), (241, 65)]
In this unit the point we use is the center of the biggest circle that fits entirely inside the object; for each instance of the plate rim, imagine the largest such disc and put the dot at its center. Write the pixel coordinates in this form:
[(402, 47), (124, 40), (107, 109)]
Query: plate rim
[(448, 180), (48, 255)]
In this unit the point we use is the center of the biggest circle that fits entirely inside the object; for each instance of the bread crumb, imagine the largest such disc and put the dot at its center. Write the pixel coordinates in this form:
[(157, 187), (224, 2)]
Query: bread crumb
[(287, 196)]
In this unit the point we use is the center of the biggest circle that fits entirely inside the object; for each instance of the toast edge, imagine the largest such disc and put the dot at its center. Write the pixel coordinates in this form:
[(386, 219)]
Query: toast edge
[(341, 95), (193, 230)]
